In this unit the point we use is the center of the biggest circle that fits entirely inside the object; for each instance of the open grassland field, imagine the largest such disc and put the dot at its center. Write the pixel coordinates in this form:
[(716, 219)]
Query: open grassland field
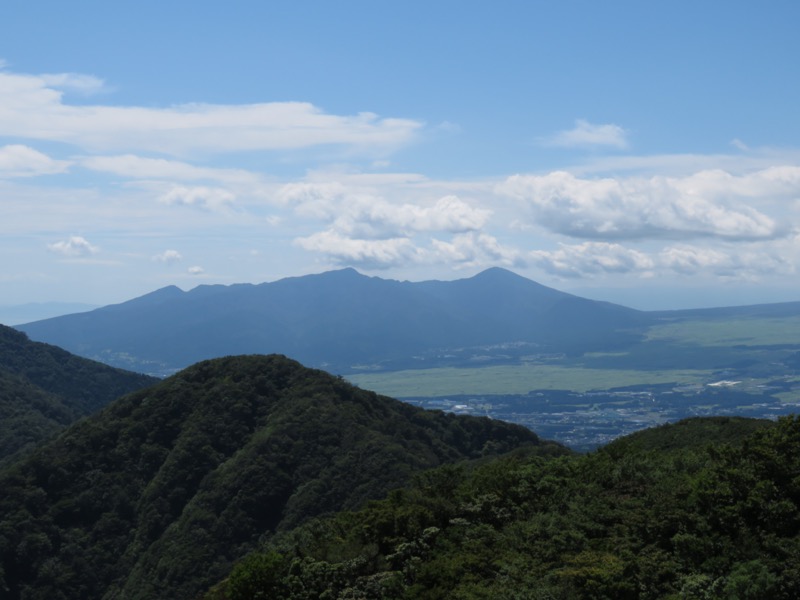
[(516, 379), (734, 366), (753, 331)]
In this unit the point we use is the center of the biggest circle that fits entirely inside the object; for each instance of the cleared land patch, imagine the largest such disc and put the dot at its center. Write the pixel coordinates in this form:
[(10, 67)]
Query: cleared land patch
[(749, 331), (515, 379)]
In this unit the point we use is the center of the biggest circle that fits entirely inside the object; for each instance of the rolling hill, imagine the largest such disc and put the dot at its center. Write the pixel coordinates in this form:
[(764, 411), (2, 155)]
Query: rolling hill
[(44, 388), (160, 492), (705, 508)]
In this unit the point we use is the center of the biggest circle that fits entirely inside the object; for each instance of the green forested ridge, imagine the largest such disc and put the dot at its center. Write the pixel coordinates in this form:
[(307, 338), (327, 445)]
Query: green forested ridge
[(692, 510), (159, 493), (44, 388)]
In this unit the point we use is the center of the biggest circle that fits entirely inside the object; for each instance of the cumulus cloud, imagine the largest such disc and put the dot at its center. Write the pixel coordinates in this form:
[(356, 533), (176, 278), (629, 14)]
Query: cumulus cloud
[(372, 217), (358, 212), (638, 208), (369, 254), (204, 197), (592, 258), (596, 259), (33, 108), (73, 247), (586, 134), (750, 265), (196, 270), (168, 257), (17, 160), (475, 249)]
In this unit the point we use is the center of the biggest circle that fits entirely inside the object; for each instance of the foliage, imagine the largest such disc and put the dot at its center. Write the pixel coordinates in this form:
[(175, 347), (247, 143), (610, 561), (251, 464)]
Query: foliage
[(158, 494), (43, 389), (686, 511)]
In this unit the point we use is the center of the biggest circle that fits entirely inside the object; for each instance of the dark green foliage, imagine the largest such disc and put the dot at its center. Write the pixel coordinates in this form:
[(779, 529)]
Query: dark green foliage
[(44, 388), (705, 519), (157, 495)]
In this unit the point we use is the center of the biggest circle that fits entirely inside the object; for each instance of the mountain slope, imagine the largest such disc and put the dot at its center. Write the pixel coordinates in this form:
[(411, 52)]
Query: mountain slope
[(716, 515), (158, 494), (337, 320), (44, 388)]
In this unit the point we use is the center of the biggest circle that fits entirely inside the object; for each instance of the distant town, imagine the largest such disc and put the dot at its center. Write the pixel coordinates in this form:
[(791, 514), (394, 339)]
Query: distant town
[(584, 421)]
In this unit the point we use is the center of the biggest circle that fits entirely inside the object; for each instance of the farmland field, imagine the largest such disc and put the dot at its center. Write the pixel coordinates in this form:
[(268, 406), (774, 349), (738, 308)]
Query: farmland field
[(516, 379)]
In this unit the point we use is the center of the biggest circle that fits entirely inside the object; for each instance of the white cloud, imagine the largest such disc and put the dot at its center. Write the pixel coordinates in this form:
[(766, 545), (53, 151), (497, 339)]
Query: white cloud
[(658, 207), (586, 134), (33, 108), (138, 167), (368, 254), (204, 197), (474, 250), (196, 270), (739, 144), (374, 217), (73, 247), (22, 161), (359, 211), (592, 258), (598, 259), (741, 264), (168, 256), (75, 82)]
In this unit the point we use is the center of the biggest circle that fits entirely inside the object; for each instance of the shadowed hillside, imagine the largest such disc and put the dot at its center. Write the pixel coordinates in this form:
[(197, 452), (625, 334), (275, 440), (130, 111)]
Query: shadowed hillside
[(44, 388), (159, 493), (705, 508)]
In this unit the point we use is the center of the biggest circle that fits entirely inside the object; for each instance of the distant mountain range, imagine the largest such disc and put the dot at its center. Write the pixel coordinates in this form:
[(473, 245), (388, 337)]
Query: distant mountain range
[(36, 311), (346, 322), (337, 320)]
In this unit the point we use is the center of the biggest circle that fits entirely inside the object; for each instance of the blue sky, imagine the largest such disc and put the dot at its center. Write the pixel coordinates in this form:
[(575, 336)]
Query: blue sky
[(646, 153)]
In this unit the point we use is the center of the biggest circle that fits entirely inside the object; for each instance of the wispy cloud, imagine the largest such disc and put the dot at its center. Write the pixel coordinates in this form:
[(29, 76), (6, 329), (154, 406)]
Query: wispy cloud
[(17, 160), (586, 134), (34, 108), (74, 82), (200, 196), (168, 257), (596, 259), (139, 167)]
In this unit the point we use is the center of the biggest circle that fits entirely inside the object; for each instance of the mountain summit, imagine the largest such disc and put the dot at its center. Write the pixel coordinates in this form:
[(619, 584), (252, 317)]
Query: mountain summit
[(336, 320)]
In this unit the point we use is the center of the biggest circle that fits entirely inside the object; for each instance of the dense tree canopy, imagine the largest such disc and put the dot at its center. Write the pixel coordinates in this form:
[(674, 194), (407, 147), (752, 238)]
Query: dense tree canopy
[(44, 388), (158, 494), (685, 511)]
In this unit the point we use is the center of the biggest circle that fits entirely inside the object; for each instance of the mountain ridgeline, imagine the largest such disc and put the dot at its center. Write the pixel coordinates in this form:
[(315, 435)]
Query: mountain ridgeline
[(158, 494), (44, 388), (339, 320)]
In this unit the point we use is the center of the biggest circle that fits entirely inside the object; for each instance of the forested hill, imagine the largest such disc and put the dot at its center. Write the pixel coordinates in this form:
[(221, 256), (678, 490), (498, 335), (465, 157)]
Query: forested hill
[(44, 388), (158, 494), (706, 508)]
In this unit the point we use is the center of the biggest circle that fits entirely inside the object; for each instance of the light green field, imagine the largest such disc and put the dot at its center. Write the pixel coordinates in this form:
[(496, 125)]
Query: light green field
[(730, 332), (514, 379), (789, 397)]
